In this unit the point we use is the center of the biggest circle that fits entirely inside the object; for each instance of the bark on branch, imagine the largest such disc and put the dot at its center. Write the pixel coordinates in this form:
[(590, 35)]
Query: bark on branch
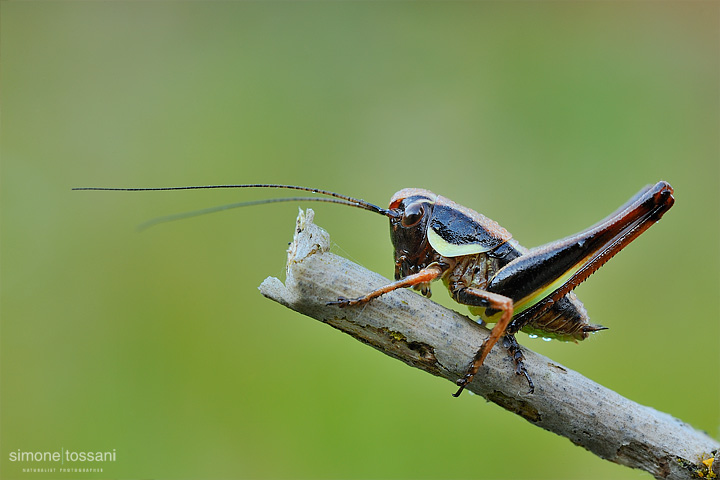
[(425, 335)]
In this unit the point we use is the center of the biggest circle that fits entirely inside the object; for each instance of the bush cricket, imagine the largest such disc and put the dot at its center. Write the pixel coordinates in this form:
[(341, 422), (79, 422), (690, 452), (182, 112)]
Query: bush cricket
[(483, 267)]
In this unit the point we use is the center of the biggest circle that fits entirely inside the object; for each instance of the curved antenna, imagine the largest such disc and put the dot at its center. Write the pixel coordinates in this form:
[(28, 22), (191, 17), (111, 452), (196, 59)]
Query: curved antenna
[(338, 198)]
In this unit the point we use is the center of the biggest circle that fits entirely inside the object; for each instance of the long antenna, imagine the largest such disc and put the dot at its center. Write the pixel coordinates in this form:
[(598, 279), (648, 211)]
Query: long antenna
[(229, 206), (338, 198)]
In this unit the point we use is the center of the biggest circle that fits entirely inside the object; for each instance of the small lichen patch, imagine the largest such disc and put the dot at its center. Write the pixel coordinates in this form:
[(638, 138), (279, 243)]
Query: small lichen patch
[(396, 335), (702, 469), (706, 470)]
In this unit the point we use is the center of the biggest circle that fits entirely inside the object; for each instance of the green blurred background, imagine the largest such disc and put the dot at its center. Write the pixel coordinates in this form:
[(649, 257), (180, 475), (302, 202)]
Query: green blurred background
[(543, 116)]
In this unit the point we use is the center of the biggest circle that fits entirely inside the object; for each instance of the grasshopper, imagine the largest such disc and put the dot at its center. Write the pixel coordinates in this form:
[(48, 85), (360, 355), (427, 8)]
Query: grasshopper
[(483, 267)]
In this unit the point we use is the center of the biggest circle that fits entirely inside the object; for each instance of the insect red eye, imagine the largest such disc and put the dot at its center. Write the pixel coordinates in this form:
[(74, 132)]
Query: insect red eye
[(413, 214)]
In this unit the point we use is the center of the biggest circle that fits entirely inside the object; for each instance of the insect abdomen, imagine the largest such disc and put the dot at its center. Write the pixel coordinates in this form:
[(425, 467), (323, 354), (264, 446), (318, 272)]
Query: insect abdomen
[(567, 319)]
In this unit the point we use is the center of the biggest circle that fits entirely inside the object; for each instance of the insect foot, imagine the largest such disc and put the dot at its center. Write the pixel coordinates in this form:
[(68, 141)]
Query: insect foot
[(513, 349), (472, 370), (462, 383)]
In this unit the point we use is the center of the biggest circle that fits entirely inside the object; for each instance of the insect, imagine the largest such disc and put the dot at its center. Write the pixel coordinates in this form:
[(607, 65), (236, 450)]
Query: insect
[(483, 267)]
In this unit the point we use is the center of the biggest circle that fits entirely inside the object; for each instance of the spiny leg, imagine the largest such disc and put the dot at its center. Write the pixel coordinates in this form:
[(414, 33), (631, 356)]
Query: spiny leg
[(426, 275), (513, 349), (481, 298)]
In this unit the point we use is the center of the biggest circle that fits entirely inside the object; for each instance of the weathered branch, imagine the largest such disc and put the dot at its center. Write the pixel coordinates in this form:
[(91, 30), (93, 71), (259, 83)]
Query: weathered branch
[(440, 341)]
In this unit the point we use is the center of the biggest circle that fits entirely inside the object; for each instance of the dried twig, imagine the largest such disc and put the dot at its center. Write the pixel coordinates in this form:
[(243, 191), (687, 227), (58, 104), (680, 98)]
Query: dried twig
[(440, 341)]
